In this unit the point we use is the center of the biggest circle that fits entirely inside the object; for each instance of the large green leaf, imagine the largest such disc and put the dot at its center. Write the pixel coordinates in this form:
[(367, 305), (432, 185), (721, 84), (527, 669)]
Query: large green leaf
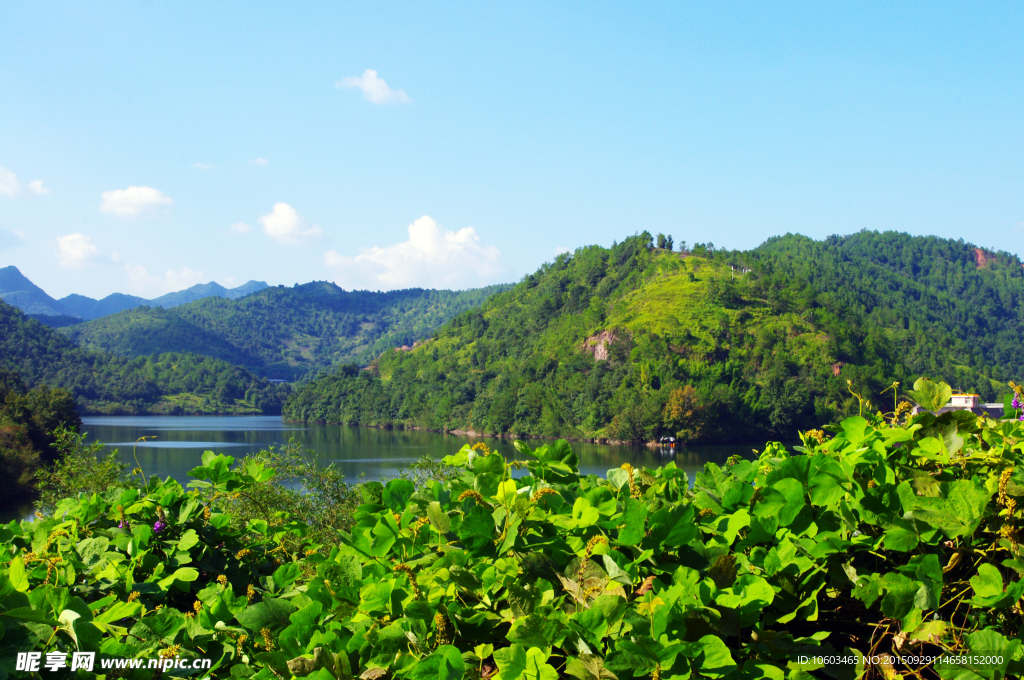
[(901, 536), (492, 463), (516, 662), (286, 574), (117, 611), (784, 500), (988, 582), (375, 541), (444, 663), (91, 550), (900, 593), (16, 573), (375, 597), (272, 613), (958, 512), (828, 481), (674, 526), (929, 395), (181, 575), (634, 518), (438, 518), (188, 540), (397, 493), (715, 659), (537, 630)]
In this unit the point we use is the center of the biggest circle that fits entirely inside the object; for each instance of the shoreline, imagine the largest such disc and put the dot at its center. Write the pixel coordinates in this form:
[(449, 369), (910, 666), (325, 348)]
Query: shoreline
[(472, 433)]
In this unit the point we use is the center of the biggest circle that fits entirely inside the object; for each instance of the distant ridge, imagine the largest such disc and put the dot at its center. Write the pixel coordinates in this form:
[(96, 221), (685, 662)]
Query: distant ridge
[(87, 308), (205, 290), (17, 290)]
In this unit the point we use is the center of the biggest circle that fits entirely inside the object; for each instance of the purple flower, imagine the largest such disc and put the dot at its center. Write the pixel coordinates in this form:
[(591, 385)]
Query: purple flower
[(159, 526), (1022, 418), (1015, 403), (122, 525)]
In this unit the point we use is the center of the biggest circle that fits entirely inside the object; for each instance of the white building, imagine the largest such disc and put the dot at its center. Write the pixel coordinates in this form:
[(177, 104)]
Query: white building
[(965, 401)]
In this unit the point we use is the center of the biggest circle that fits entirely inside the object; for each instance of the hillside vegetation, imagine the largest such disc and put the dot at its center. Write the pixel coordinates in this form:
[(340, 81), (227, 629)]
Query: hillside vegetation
[(283, 332), (636, 342), (28, 421), (169, 383)]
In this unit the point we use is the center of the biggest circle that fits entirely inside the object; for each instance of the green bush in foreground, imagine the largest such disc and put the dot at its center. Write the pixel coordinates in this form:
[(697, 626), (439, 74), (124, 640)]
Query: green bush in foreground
[(885, 538)]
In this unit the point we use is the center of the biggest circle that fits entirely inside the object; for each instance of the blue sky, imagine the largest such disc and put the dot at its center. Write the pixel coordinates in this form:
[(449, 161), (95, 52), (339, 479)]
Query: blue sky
[(386, 145)]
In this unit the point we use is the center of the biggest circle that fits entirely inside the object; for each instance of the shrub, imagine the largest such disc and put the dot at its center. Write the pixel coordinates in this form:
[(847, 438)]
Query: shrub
[(18, 461), (79, 468)]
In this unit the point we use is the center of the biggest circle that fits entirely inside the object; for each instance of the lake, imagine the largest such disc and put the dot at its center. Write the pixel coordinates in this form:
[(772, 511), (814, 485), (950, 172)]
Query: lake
[(178, 443)]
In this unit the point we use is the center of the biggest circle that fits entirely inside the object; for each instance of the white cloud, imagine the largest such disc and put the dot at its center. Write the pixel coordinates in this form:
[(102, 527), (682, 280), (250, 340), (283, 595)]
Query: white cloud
[(287, 226), (114, 257), (134, 201), (240, 228), (431, 257), (333, 259), (11, 238), (10, 186), (141, 282), (185, 278), (203, 166), (260, 161), (75, 250), (374, 88)]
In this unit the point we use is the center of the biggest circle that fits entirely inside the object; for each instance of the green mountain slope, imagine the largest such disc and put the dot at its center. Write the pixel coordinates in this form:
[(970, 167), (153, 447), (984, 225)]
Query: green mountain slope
[(283, 332), (170, 383), (635, 342)]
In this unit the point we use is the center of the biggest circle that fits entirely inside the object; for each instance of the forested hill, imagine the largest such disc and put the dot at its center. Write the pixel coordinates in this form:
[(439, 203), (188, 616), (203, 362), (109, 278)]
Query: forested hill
[(170, 383), (283, 332), (637, 342)]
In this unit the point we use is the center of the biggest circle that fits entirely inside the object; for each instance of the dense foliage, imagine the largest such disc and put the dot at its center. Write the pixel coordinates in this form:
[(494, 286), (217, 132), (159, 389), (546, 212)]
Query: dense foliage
[(636, 342), (55, 321), (29, 419), (886, 538), (945, 308), (283, 332), (173, 383)]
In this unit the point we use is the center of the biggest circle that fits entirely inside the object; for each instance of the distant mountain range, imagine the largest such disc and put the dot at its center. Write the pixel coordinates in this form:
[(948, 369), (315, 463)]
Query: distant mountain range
[(17, 290), (283, 333)]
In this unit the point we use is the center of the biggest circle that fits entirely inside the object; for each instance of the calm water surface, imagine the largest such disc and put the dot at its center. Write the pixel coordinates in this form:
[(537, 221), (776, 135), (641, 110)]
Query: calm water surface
[(179, 442)]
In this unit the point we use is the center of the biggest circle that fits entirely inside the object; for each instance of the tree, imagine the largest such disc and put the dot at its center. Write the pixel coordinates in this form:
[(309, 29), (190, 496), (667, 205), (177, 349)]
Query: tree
[(684, 414)]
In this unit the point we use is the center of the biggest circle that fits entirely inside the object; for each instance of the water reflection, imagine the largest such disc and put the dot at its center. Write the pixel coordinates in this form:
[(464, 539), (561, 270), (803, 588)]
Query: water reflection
[(359, 452)]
